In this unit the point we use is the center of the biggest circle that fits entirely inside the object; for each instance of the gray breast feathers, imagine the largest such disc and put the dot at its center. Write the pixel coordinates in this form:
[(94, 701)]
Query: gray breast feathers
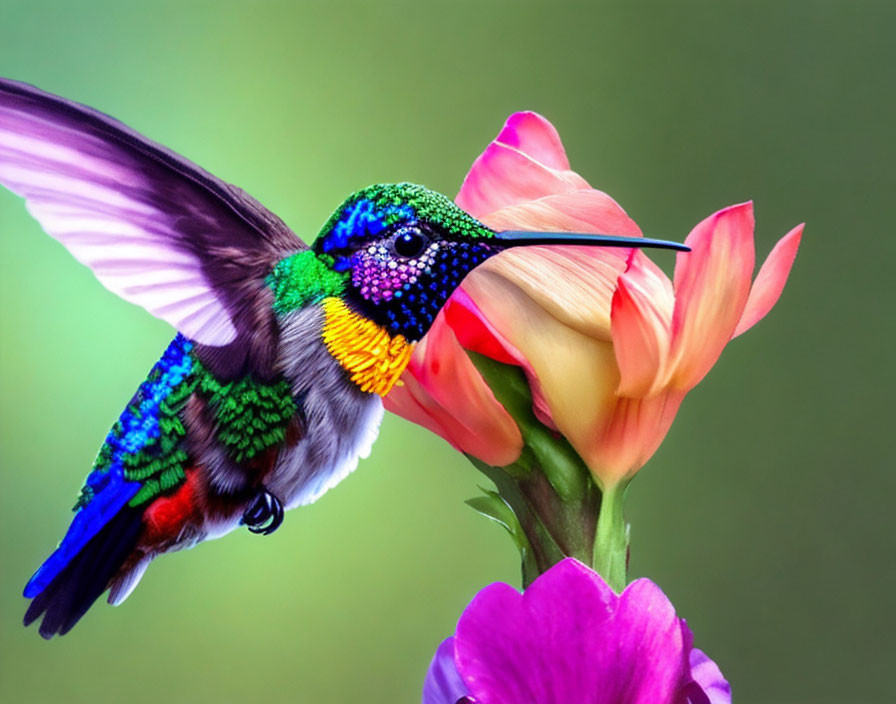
[(340, 421)]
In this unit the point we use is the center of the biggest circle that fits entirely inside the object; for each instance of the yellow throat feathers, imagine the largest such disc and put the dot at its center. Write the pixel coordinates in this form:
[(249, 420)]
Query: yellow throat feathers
[(372, 357)]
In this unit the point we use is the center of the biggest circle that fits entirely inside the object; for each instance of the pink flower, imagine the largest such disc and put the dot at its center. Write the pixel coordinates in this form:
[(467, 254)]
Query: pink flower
[(609, 345), (568, 639)]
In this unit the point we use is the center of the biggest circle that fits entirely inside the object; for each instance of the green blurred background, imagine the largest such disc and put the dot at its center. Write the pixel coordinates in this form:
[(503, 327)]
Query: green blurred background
[(766, 515)]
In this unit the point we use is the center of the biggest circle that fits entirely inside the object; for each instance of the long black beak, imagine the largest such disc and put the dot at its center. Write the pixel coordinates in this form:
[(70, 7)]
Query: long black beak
[(517, 238)]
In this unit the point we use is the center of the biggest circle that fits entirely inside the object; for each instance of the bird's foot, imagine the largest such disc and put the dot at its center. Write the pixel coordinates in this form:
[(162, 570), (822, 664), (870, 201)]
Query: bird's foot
[(264, 515)]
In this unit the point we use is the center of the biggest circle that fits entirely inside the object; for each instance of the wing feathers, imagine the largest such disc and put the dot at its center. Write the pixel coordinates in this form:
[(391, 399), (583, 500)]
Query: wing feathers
[(152, 226)]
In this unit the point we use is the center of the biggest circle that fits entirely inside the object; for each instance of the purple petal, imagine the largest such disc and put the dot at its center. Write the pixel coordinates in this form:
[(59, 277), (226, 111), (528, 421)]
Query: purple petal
[(535, 647), (570, 638), (443, 684), (154, 228), (649, 660), (710, 679)]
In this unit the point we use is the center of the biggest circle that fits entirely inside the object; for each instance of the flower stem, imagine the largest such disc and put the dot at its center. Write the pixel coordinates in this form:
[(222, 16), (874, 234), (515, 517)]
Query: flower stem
[(547, 499), (545, 527), (611, 539)]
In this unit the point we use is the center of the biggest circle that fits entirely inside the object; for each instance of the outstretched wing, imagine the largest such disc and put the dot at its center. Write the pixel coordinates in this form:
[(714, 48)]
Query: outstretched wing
[(154, 228)]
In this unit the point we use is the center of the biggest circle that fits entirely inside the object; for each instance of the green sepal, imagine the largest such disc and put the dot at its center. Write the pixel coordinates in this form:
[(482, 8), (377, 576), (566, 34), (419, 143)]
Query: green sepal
[(493, 507), (552, 452), (547, 523)]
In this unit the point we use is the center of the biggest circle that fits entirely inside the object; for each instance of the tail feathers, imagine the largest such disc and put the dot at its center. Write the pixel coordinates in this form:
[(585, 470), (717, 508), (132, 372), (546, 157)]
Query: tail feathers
[(124, 584), (71, 592), (107, 502)]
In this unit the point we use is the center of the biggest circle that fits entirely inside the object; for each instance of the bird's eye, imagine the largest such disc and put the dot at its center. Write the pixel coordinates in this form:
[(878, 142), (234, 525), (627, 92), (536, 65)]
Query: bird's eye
[(409, 242)]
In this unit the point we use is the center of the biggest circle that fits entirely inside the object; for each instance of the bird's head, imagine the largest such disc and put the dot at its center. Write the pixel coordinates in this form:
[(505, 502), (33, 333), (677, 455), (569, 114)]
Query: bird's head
[(403, 249)]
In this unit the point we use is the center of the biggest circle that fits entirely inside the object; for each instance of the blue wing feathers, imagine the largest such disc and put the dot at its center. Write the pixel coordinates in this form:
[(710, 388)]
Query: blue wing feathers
[(108, 489)]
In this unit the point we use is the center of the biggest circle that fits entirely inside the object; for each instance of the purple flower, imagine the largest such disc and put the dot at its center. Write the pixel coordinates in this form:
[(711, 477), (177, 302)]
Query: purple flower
[(570, 639)]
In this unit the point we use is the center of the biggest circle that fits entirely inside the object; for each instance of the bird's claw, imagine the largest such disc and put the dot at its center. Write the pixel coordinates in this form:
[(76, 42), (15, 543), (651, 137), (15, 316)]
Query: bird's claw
[(264, 515)]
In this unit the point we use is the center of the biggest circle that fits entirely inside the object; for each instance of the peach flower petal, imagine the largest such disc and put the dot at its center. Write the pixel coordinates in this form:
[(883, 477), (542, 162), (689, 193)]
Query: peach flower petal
[(572, 374), (712, 283), (475, 333), (443, 392), (583, 210), (770, 280), (569, 283), (632, 432), (641, 326), (533, 135), (525, 162)]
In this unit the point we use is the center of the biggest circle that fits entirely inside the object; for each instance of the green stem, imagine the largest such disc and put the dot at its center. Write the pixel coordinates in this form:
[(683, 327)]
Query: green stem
[(555, 506), (611, 539), (545, 527)]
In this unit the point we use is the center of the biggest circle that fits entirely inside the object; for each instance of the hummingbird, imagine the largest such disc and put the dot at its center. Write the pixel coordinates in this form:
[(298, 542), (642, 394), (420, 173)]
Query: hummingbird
[(270, 392)]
